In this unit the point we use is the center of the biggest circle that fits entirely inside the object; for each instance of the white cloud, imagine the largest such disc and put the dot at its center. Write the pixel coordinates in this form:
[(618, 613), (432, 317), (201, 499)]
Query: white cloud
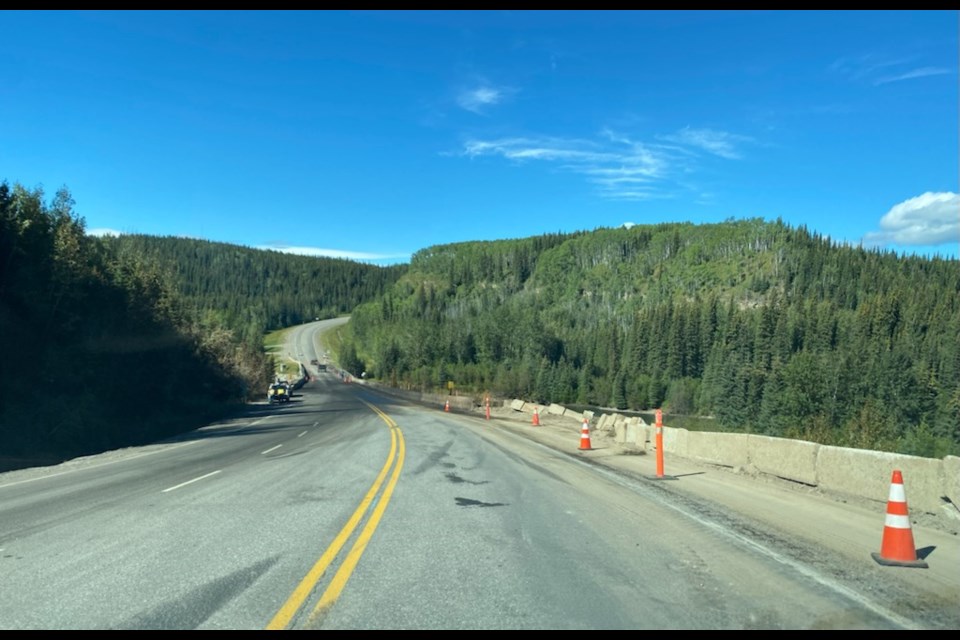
[(479, 98), (927, 220), (549, 149), (922, 72), (333, 253), (103, 232), (878, 69), (720, 143), (866, 65), (620, 168)]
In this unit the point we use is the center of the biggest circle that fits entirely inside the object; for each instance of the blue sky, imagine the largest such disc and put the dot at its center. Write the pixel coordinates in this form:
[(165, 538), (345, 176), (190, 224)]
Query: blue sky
[(371, 135)]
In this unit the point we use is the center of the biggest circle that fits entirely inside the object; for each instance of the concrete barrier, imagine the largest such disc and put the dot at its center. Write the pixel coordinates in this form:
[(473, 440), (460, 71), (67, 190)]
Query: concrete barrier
[(517, 405), (529, 407), (556, 409), (607, 422), (632, 429), (931, 485), (618, 422), (674, 441), (458, 403), (725, 449), (647, 433), (868, 474), (791, 459), (951, 480), (628, 431)]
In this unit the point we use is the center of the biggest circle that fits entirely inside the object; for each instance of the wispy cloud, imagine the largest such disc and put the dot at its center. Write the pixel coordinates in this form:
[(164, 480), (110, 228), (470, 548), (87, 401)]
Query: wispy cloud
[(922, 72), (619, 167), (865, 66), (878, 69), (720, 143), (334, 253), (550, 149), (479, 98), (930, 219)]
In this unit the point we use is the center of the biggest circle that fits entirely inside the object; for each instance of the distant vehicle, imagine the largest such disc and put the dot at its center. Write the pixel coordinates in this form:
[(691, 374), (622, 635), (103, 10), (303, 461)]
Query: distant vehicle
[(315, 362), (279, 392)]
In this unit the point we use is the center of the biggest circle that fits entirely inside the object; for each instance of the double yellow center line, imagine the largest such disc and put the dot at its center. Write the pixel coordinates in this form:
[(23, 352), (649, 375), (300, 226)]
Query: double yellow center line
[(293, 604)]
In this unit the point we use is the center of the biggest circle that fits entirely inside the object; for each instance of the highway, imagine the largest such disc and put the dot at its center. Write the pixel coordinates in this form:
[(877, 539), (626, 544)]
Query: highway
[(350, 509)]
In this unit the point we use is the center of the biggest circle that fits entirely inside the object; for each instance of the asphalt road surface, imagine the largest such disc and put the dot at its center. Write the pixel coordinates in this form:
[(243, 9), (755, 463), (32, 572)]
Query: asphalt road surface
[(349, 508)]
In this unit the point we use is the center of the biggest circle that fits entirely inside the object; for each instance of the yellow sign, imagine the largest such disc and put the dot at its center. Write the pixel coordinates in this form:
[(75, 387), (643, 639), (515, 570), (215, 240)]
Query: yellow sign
[(449, 384)]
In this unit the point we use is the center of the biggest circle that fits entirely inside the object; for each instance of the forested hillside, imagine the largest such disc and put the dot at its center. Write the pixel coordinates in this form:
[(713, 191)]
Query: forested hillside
[(252, 290), (767, 328), (112, 342), (97, 351), (764, 327)]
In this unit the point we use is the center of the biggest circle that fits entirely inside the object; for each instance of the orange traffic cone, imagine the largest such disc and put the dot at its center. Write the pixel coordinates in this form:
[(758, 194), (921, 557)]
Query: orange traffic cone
[(897, 548), (446, 406), (585, 436), (536, 417)]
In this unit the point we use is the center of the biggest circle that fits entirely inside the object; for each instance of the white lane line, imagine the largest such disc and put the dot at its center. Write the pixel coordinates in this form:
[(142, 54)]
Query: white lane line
[(139, 455), (263, 453), (183, 484), (302, 433), (98, 464)]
